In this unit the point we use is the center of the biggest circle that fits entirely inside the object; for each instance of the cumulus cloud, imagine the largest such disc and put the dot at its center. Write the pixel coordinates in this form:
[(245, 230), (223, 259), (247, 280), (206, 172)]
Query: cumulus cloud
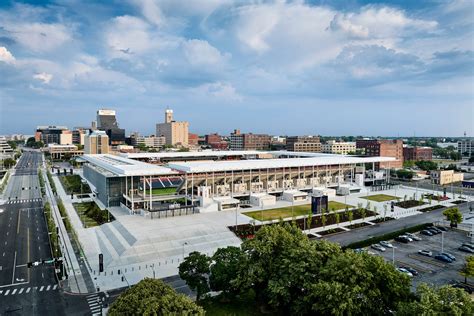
[(6, 56), (219, 90), (201, 53), (43, 77), (39, 37), (151, 10)]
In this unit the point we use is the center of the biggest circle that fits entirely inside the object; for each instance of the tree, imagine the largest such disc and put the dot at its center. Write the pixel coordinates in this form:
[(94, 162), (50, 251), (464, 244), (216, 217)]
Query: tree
[(12, 144), (444, 300), (309, 220), (467, 271), (427, 165), (8, 163), (153, 297), (323, 219), (357, 284), (338, 218), (408, 164), (350, 216), (225, 266), (195, 270), (453, 215)]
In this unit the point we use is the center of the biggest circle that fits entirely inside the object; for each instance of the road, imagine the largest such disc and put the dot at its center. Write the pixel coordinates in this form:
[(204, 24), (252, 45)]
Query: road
[(367, 232)]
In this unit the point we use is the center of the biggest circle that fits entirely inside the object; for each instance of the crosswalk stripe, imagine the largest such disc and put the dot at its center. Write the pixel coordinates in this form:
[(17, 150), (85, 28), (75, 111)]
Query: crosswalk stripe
[(41, 288), (92, 305), (49, 286), (1, 291), (6, 293), (28, 290), (92, 295), (14, 291), (55, 287), (21, 291)]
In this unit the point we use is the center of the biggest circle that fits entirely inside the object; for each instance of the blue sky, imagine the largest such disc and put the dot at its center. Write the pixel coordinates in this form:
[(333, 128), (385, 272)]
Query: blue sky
[(282, 67)]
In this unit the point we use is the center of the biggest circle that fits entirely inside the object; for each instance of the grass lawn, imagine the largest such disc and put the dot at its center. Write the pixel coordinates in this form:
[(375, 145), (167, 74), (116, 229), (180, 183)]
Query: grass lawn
[(380, 197), (90, 214), (72, 184), (162, 191), (286, 212)]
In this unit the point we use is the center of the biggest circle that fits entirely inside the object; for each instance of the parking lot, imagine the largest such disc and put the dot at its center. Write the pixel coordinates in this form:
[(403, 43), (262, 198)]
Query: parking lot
[(430, 270)]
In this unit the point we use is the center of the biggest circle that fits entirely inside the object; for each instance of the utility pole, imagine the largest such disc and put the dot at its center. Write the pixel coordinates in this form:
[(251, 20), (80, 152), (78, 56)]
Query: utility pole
[(442, 241)]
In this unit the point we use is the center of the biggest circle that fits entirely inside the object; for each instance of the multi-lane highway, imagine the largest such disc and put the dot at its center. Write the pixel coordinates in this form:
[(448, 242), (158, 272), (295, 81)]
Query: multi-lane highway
[(23, 239)]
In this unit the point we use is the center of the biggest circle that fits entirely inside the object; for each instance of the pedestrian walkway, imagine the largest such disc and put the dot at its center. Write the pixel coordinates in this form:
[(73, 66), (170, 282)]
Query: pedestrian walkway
[(28, 289), (24, 201), (95, 304)]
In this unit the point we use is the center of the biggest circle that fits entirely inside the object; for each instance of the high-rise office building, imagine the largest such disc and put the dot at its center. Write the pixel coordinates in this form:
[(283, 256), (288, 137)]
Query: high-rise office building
[(53, 135), (107, 122), (175, 133)]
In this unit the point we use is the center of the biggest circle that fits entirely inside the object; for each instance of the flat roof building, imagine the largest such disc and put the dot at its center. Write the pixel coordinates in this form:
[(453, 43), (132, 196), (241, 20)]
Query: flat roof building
[(466, 147), (342, 148), (52, 134), (141, 186), (303, 143), (383, 148), (96, 142), (107, 122), (417, 153), (249, 141)]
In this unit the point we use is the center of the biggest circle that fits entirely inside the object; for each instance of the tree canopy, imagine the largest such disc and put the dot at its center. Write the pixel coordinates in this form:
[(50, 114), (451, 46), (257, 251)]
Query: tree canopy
[(453, 215), (153, 297), (467, 270), (195, 270), (444, 300)]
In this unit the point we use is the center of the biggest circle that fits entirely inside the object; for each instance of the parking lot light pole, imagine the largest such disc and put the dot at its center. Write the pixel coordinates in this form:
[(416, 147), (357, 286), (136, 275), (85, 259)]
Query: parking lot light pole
[(442, 241), (184, 244)]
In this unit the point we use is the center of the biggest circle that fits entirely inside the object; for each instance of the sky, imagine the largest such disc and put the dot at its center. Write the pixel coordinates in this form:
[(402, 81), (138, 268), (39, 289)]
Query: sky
[(380, 68)]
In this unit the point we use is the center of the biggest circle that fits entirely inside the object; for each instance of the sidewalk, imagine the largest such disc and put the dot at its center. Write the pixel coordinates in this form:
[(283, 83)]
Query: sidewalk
[(76, 282)]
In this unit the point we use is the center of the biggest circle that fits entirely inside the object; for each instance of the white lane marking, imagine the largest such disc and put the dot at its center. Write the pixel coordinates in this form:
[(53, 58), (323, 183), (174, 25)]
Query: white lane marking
[(55, 287), (6, 293), (92, 305), (1, 291), (14, 291), (49, 286), (92, 295), (21, 291), (41, 288), (14, 267), (28, 290)]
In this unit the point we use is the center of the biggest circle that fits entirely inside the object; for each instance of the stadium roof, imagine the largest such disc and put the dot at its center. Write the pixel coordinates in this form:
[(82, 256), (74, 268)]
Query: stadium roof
[(120, 166), (188, 154), (229, 165)]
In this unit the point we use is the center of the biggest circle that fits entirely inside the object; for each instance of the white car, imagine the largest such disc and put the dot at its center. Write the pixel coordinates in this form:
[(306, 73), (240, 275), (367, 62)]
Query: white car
[(425, 253), (386, 244), (413, 236), (408, 238), (378, 247), (405, 271)]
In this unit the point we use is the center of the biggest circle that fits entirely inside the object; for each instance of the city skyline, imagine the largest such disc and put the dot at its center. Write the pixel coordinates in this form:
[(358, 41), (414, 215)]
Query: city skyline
[(286, 68)]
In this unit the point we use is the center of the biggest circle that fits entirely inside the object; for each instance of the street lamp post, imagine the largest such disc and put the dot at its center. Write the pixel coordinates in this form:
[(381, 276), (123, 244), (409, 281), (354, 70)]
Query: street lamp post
[(184, 244), (442, 241), (153, 269)]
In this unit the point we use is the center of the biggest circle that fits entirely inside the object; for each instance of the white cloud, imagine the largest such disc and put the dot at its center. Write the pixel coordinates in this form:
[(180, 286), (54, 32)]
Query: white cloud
[(6, 56), (43, 77), (39, 37), (201, 53), (151, 10), (128, 35), (220, 90)]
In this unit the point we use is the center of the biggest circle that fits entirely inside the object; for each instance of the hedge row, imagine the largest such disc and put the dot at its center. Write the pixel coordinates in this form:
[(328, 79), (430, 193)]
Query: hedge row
[(391, 235), (53, 237), (51, 183)]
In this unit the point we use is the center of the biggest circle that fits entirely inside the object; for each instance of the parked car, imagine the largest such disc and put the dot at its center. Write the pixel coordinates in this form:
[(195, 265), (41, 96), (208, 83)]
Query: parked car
[(466, 249), (443, 258), (413, 236), (405, 271), (386, 244), (408, 237), (425, 253), (378, 247), (403, 239), (442, 228), (468, 245), (411, 270), (450, 256), (434, 231), (426, 232)]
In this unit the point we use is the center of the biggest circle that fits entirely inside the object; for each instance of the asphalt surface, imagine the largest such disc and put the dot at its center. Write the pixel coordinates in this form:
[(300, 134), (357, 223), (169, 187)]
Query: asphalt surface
[(367, 232)]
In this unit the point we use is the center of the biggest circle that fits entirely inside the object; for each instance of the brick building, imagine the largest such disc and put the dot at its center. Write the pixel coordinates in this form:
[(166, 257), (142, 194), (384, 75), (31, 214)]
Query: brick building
[(417, 153), (303, 143), (383, 148), (239, 141)]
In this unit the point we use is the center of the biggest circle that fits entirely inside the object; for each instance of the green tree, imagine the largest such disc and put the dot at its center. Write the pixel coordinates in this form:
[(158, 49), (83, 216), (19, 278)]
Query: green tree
[(357, 284), (350, 216), (444, 300), (8, 163), (453, 215), (309, 220), (282, 262), (195, 270), (323, 219), (12, 144), (467, 271), (337, 218), (225, 266), (153, 297)]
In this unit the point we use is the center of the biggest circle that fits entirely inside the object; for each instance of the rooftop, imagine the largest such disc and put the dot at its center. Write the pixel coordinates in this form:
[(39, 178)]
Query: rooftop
[(121, 167), (186, 154), (230, 165)]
